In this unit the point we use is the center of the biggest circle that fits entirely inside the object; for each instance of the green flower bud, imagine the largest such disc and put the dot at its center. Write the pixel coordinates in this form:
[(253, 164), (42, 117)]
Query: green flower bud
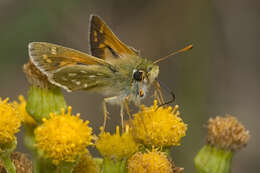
[(213, 160), (43, 97), (43, 101)]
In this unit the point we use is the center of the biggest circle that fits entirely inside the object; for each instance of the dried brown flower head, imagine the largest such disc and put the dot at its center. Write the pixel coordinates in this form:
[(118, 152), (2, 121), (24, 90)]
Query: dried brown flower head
[(35, 76), (227, 133)]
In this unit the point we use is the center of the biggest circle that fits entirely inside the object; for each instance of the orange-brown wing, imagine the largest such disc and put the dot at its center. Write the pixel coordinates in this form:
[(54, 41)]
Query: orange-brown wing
[(104, 43), (49, 57)]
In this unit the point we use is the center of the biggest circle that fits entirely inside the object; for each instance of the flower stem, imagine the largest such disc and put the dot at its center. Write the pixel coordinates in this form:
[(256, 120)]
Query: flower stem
[(8, 164), (41, 165)]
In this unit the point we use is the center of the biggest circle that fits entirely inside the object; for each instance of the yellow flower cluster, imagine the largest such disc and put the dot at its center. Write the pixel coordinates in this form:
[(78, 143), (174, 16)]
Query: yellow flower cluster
[(63, 137), (21, 107), (10, 122), (150, 162), (116, 146), (158, 126)]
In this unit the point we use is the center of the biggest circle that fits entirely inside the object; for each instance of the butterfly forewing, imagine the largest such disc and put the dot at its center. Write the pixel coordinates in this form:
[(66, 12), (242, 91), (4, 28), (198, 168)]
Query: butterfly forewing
[(69, 68), (104, 43), (50, 57)]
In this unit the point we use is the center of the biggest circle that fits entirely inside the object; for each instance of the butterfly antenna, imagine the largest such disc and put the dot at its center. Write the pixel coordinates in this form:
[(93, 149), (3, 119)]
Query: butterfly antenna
[(174, 53)]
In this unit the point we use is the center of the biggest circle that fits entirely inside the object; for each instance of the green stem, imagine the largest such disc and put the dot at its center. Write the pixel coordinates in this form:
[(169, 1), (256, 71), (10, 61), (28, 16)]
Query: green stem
[(114, 166), (41, 165), (8, 164)]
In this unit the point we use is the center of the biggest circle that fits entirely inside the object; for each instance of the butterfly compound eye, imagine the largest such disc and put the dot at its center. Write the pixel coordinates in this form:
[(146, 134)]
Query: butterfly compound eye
[(138, 75)]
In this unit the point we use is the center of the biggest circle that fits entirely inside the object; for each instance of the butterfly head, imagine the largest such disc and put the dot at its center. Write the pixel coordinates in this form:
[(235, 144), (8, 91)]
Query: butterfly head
[(146, 74), (144, 77)]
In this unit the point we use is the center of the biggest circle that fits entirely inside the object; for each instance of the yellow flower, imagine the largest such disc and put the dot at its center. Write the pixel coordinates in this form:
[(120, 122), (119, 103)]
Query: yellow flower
[(86, 164), (10, 121), (227, 133), (158, 126), (150, 162), (21, 107), (116, 146), (63, 137)]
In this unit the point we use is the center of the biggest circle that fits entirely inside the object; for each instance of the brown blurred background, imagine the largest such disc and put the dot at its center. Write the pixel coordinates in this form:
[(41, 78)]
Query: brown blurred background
[(220, 75)]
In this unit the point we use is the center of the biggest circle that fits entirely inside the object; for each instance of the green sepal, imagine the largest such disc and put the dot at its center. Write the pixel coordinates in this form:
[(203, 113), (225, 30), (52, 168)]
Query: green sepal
[(213, 160), (66, 167), (8, 147), (42, 101), (115, 166)]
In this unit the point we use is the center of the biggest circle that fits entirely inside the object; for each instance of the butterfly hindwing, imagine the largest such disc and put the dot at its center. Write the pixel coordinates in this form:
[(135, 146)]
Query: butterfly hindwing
[(81, 77), (104, 43)]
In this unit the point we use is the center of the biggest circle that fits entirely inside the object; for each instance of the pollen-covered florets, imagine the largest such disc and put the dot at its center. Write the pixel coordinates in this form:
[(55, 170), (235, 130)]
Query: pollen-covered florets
[(86, 164), (10, 122), (63, 137), (21, 107), (158, 126), (116, 146), (149, 162)]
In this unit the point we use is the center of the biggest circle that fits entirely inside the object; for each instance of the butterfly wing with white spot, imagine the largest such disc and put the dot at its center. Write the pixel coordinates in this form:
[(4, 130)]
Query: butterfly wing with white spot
[(82, 77)]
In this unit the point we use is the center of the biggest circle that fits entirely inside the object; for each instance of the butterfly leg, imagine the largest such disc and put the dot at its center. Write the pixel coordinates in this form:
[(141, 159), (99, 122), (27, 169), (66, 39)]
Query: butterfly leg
[(122, 115), (158, 93), (124, 105), (127, 107), (105, 101)]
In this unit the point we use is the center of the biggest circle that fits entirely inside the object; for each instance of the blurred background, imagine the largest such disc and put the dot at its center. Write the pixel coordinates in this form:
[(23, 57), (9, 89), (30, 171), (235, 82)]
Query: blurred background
[(219, 76)]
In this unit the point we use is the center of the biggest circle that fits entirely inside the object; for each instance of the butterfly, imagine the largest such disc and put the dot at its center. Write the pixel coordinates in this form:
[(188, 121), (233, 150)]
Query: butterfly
[(113, 69)]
